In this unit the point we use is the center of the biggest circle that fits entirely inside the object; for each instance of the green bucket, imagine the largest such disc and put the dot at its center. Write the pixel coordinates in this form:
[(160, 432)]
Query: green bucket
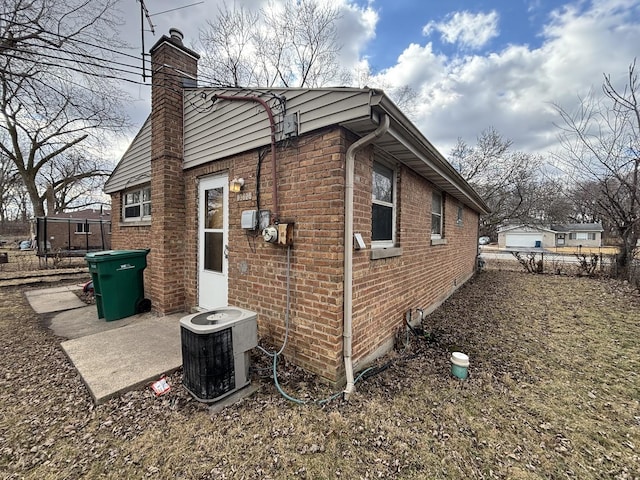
[(459, 365)]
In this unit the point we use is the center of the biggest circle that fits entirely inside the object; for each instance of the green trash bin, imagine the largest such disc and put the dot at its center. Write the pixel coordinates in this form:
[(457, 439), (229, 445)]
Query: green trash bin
[(118, 282)]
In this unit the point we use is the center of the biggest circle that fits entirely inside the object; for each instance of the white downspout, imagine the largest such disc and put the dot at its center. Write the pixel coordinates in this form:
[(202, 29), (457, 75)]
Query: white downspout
[(348, 247)]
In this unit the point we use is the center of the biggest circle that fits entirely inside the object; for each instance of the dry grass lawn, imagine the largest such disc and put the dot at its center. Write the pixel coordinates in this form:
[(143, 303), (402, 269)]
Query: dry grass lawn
[(553, 392)]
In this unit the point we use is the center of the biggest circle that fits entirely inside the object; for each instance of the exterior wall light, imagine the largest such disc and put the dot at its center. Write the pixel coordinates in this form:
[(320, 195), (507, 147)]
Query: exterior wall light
[(236, 184)]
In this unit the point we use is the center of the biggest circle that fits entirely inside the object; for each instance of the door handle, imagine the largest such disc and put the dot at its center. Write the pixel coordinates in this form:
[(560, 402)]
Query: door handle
[(226, 251)]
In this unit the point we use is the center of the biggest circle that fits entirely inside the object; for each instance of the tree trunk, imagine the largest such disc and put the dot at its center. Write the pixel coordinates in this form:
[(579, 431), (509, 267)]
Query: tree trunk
[(36, 202), (629, 241)]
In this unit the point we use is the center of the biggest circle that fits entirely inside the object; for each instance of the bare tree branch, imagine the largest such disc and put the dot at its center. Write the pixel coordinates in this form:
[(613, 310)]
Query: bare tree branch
[(51, 110), (294, 44), (601, 146)]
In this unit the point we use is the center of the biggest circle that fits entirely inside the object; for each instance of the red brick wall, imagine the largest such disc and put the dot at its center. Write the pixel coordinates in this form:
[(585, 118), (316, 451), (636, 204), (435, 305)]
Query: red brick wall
[(423, 276), (128, 236), (165, 236), (310, 172), (125, 236), (65, 236), (311, 194), (310, 190), (167, 286)]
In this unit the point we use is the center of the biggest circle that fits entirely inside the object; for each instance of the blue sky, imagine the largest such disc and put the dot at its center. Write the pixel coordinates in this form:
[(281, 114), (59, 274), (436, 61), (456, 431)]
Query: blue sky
[(402, 22), (471, 64)]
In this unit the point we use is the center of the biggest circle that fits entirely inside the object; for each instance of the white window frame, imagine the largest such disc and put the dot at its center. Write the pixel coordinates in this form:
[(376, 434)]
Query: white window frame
[(436, 236), (460, 215), (582, 236), (393, 205), (144, 199), (85, 230)]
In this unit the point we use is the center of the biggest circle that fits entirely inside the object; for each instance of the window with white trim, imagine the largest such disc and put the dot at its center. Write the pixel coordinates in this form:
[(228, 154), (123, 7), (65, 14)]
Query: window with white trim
[(136, 204), (383, 206), (436, 215), (582, 236), (459, 215), (82, 228)]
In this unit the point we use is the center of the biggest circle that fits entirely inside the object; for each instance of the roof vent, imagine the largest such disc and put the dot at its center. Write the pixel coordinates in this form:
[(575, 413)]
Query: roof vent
[(176, 35)]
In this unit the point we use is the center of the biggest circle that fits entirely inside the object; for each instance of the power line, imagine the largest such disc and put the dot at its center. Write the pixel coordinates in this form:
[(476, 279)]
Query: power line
[(72, 40), (212, 80), (68, 67), (174, 9), (100, 62), (77, 61)]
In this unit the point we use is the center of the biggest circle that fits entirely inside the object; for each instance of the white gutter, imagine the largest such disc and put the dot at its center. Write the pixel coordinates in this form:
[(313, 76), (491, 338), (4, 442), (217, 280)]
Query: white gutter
[(383, 127)]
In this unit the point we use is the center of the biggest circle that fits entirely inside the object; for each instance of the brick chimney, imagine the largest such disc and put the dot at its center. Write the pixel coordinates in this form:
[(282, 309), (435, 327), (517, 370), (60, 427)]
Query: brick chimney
[(173, 67)]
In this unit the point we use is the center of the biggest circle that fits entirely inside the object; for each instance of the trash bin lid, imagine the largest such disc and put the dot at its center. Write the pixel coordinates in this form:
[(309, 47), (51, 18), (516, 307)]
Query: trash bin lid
[(109, 255)]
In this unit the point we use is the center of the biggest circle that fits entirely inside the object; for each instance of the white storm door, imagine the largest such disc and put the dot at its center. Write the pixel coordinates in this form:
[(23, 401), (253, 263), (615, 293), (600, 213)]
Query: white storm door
[(213, 238)]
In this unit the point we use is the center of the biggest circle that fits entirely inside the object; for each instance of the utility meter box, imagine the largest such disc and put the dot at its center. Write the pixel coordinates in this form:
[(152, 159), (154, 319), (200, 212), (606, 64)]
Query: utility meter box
[(285, 234), (249, 220)]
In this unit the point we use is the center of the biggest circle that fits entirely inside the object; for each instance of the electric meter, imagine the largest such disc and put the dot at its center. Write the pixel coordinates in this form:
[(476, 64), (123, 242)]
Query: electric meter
[(270, 234)]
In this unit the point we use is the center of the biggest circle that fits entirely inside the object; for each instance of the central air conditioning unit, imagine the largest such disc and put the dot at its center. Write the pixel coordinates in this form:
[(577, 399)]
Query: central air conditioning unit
[(215, 351)]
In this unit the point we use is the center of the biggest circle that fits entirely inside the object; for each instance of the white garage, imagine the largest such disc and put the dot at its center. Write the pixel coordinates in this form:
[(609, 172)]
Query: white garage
[(523, 240)]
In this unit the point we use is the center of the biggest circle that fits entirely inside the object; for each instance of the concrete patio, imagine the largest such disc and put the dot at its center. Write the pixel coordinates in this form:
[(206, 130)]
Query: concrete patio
[(111, 357)]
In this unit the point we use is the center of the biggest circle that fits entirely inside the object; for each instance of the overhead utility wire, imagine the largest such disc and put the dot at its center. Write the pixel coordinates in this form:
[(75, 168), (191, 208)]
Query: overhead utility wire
[(69, 39), (81, 62), (73, 54), (214, 83), (107, 76), (93, 74), (174, 9), (103, 63)]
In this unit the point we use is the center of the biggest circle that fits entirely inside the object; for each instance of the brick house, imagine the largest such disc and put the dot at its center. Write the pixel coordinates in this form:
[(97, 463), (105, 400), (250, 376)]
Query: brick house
[(79, 231), (325, 168)]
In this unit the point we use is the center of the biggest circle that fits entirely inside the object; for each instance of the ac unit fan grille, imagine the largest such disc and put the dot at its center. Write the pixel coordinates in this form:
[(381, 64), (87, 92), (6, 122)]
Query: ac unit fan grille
[(208, 363)]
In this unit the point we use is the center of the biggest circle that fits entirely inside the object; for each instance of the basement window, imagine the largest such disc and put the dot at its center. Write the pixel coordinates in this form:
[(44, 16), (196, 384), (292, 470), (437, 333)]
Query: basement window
[(137, 204)]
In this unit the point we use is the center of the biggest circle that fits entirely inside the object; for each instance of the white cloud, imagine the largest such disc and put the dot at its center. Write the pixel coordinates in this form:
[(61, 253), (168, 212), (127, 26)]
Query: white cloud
[(471, 31), (513, 89), (460, 95), (416, 66), (356, 27)]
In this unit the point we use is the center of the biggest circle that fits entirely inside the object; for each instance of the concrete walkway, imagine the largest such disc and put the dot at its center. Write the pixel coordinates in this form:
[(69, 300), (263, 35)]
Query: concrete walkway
[(112, 357)]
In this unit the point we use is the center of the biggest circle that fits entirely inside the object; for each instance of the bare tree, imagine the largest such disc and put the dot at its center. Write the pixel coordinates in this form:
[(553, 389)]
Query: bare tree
[(601, 152), (294, 44), (72, 181), (8, 179), (402, 95), (229, 47), (506, 179), (56, 90)]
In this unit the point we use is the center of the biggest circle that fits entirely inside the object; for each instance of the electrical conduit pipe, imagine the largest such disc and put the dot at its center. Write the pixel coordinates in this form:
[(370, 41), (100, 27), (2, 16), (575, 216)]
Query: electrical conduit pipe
[(383, 127), (272, 124)]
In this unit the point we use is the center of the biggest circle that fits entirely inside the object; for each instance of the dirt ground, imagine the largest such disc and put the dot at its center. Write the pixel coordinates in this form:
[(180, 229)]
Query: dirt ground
[(553, 392)]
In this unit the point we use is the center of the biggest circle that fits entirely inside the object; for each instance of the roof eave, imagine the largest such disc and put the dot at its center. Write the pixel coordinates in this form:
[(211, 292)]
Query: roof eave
[(406, 132)]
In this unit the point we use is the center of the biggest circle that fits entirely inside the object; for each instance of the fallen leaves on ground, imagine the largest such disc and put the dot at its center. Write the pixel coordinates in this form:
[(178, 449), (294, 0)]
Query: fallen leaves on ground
[(553, 392)]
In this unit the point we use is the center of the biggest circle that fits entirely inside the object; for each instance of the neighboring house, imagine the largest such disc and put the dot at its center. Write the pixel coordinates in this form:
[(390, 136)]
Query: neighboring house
[(213, 172), (79, 231), (569, 235)]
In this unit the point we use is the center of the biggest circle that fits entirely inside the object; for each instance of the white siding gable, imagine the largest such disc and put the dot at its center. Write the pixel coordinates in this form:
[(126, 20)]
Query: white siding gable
[(134, 167), (218, 128)]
